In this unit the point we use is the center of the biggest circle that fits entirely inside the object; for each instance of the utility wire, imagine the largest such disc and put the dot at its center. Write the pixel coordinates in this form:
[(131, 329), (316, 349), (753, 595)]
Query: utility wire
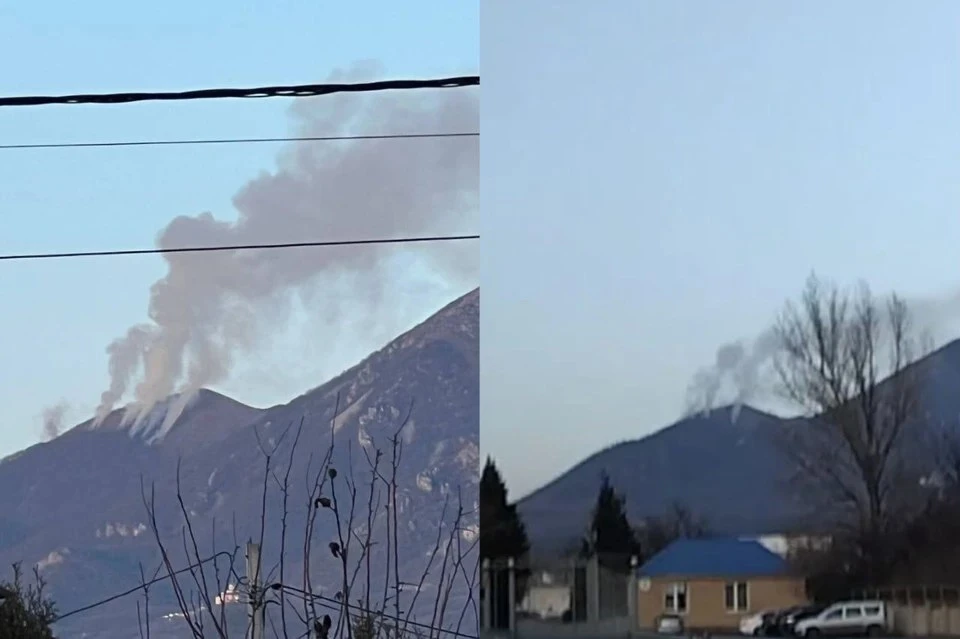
[(288, 91), (336, 604), (322, 138), (103, 602), (327, 602), (10, 257)]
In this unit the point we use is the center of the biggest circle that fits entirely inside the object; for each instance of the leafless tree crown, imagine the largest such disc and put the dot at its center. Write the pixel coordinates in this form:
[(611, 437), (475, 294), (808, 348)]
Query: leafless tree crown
[(362, 508), (847, 359)]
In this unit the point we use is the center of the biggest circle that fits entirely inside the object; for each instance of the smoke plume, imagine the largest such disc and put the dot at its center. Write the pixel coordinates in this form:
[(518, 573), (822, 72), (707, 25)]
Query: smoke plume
[(740, 368), (211, 307), (736, 374), (53, 417)]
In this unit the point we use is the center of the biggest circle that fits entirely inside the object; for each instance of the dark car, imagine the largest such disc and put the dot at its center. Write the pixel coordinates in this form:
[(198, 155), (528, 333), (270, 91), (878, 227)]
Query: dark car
[(770, 627), (788, 621), (766, 620)]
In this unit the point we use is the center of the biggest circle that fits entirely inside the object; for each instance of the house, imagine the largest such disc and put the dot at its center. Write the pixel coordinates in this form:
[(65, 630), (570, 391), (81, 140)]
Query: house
[(713, 583)]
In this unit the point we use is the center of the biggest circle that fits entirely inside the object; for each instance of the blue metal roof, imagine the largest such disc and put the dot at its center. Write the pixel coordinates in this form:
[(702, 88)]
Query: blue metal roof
[(714, 558)]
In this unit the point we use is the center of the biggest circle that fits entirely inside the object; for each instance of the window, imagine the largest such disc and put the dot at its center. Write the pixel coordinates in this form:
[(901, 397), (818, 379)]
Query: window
[(736, 597), (675, 598), (833, 615), (871, 611), (852, 613)]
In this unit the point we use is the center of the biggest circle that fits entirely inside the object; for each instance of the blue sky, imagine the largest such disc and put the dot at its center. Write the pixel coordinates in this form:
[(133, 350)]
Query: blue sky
[(58, 316), (659, 177)]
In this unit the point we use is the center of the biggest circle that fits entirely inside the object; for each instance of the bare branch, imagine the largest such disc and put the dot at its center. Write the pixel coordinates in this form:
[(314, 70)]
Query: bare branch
[(847, 360)]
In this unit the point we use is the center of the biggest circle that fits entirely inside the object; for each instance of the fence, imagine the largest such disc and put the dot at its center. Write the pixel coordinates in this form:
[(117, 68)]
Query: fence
[(919, 611), (581, 596)]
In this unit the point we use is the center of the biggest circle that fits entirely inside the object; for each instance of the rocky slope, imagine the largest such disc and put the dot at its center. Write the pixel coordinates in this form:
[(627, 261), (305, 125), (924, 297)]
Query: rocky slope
[(74, 505)]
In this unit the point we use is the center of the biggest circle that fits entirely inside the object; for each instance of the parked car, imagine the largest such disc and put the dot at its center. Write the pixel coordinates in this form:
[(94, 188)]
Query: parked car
[(753, 625), (670, 625), (788, 621), (847, 618)]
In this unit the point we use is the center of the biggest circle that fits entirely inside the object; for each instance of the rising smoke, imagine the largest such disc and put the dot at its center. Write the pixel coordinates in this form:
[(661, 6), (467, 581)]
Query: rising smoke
[(53, 418), (209, 308), (743, 370), (737, 374)]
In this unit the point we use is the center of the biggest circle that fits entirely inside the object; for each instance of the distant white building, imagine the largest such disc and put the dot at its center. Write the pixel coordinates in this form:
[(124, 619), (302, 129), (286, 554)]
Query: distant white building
[(229, 596), (545, 598), (787, 544)]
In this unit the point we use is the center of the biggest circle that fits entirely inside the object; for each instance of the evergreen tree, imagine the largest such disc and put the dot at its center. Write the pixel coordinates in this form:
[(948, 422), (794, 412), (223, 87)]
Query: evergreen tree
[(610, 535), (502, 533), (502, 536)]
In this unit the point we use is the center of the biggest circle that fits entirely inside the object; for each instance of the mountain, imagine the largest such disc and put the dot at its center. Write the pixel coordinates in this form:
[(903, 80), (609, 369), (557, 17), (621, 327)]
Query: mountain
[(74, 505), (724, 469), (726, 466)]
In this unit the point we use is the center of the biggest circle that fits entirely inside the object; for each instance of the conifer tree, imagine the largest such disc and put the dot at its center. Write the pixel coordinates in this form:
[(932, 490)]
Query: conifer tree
[(502, 533), (610, 535)]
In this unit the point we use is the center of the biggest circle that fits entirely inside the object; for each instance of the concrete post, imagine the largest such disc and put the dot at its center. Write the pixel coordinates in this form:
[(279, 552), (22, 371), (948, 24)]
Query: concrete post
[(593, 588), (256, 591), (486, 612), (573, 589), (512, 596), (632, 594)]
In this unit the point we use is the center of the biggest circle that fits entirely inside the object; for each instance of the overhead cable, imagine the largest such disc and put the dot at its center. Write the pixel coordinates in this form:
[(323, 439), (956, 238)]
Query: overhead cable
[(11, 257), (287, 91), (186, 142)]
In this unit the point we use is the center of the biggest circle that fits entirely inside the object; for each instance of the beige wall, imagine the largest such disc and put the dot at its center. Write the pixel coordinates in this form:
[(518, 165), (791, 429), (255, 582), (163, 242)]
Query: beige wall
[(706, 602)]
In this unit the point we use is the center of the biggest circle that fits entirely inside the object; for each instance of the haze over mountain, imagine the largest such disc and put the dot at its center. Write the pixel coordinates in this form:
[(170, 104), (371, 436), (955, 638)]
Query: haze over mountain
[(74, 506), (725, 465)]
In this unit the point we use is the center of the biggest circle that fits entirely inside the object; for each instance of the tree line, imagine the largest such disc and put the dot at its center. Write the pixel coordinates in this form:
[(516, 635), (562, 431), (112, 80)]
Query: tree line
[(610, 535)]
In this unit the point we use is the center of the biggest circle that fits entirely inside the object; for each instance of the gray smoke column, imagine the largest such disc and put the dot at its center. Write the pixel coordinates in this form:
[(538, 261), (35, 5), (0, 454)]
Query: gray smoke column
[(210, 307), (739, 369), (53, 417), (736, 374)]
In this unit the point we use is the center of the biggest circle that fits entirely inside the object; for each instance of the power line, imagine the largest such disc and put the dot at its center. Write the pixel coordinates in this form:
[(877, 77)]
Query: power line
[(334, 603), (237, 247), (288, 91), (112, 598), (323, 138)]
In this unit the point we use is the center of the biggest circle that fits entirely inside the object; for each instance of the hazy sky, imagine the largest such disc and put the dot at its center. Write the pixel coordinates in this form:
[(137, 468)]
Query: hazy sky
[(658, 177), (57, 317)]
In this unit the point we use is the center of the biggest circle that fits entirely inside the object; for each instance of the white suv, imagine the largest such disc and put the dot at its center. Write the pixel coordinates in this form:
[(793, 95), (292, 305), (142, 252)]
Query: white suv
[(847, 618)]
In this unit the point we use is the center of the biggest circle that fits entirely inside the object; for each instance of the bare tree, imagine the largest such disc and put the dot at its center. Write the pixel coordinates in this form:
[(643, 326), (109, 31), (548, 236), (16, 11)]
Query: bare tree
[(847, 360), (677, 522), (355, 608)]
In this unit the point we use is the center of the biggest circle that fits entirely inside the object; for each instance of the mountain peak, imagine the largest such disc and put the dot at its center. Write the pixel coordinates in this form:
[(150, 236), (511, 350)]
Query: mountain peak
[(88, 476), (460, 318), (742, 414), (159, 421)]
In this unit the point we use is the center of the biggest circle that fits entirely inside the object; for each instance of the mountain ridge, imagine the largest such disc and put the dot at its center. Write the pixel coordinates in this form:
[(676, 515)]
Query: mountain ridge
[(648, 438), (732, 472)]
